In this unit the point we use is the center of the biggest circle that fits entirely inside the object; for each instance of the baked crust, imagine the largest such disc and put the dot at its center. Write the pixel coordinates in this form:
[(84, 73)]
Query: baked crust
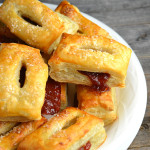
[(70, 27), (21, 103), (11, 140), (92, 54), (85, 26), (102, 105), (49, 26), (6, 126), (63, 96), (6, 36), (70, 129)]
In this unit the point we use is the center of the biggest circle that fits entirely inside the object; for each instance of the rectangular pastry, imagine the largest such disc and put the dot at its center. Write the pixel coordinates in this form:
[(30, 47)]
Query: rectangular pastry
[(90, 60), (11, 140), (32, 21), (55, 97), (85, 26), (100, 104), (71, 129), (23, 76)]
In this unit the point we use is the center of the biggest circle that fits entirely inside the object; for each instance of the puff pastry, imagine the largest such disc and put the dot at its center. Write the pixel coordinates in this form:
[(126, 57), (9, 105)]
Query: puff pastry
[(21, 103), (55, 97), (95, 54), (70, 27), (48, 27), (6, 126), (63, 96), (11, 140), (69, 130), (85, 26), (6, 36), (102, 105)]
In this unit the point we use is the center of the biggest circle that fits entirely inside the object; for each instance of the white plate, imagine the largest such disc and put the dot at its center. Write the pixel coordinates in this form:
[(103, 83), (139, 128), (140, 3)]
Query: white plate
[(132, 100)]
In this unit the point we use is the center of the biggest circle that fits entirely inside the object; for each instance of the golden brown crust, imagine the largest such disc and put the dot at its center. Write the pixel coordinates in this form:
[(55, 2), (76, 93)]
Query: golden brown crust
[(49, 26), (85, 26), (6, 36), (63, 96), (6, 126), (92, 54), (102, 105), (21, 103), (70, 129), (70, 27), (11, 140)]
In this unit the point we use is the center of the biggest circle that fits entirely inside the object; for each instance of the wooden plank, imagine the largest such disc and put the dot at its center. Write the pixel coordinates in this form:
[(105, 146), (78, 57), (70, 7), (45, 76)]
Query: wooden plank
[(104, 5), (115, 13), (124, 17), (145, 62), (144, 131), (141, 148), (142, 140), (137, 36), (147, 114)]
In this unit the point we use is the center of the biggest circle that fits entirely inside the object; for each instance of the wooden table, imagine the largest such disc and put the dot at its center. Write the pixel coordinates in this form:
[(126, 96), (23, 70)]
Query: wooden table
[(131, 19)]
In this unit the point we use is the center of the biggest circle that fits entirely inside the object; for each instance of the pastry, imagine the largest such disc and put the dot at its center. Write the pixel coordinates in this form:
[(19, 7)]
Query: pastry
[(55, 97), (22, 82), (90, 60), (85, 26), (71, 129), (32, 21), (6, 36), (6, 126), (11, 140), (70, 27), (100, 104), (64, 99)]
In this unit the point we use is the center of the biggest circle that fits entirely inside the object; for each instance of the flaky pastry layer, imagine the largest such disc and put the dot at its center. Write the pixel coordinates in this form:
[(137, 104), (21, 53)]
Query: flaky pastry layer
[(69, 130), (11, 140), (102, 105), (6, 126), (91, 54), (63, 96)]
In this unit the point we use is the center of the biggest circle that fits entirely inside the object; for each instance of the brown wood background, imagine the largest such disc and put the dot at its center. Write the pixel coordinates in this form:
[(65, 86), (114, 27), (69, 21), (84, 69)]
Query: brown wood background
[(131, 19)]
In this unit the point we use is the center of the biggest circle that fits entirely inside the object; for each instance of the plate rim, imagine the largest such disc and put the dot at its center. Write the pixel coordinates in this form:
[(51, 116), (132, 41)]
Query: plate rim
[(124, 145)]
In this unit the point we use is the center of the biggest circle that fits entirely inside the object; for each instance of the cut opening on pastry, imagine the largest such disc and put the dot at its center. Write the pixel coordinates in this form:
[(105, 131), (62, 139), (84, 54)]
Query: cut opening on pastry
[(29, 20), (97, 50), (80, 32), (22, 76), (70, 123)]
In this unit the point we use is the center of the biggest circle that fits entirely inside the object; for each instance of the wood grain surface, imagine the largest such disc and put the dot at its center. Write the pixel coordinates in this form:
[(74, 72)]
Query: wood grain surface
[(131, 19)]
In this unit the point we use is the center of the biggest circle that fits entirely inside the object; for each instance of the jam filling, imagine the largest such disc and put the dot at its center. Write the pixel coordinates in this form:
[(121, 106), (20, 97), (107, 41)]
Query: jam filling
[(87, 146), (98, 80), (52, 97)]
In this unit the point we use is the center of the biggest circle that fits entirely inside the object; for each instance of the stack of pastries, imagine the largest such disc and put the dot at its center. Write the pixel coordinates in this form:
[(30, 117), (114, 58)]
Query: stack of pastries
[(41, 52)]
